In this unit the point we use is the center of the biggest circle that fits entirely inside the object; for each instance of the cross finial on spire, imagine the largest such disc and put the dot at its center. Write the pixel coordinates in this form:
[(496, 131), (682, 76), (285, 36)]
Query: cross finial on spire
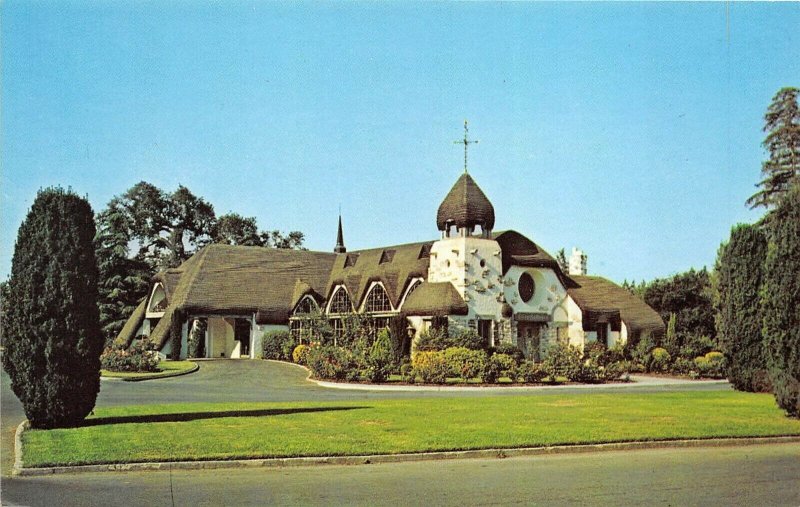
[(466, 142)]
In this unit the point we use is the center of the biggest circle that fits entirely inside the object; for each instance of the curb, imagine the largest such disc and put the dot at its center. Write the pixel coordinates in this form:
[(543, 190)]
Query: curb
[(155, 376), (399, 458), (523, 388)]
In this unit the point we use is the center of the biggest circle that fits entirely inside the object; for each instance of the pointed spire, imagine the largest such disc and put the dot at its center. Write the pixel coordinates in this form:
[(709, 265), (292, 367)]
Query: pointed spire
[(339, 248)]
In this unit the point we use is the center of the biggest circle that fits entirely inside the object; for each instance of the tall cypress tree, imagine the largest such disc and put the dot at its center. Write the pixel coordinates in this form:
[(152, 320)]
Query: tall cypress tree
[(780, 300), (52, 331), (739, 275)]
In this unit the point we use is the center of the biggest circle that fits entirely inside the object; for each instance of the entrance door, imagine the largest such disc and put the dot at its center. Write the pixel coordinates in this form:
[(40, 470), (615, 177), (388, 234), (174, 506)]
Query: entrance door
[(528, 339), (243, 336)]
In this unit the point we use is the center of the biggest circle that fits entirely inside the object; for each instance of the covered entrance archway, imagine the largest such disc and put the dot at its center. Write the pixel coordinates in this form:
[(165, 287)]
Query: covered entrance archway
[(229, 337)]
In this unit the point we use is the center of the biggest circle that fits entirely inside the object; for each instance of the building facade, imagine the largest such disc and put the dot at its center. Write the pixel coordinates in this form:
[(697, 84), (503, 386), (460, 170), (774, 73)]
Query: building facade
[(501, 284)]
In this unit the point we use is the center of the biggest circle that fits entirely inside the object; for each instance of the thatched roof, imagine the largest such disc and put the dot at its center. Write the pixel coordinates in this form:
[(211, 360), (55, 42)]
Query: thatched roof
[(439, 298), (602, 300), (241, 279), (401, 263), (465, 206), (128, 332), (517, 250)]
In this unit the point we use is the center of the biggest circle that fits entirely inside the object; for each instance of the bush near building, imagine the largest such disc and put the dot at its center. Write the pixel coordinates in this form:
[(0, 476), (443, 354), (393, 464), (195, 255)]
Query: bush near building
[(140, 357)]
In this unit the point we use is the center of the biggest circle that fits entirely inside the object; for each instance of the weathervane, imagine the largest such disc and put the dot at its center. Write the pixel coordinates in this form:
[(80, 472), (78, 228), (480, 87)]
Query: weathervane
[(466, 142)]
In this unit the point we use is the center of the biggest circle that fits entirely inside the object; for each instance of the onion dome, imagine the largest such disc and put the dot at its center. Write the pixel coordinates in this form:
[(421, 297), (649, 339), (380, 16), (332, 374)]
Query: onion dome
[(465, 206)]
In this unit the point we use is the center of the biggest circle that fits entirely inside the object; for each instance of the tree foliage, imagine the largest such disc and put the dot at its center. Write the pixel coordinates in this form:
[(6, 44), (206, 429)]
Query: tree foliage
[(146, 229), (52, 331), (782, 169), (739, 275), (780, 300), (688, 296)]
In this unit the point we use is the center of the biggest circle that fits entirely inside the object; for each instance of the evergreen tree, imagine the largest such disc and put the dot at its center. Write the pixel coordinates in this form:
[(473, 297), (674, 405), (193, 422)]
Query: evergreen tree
[(52, 331), (739, 275), (782, 169), (780, 303), (124, 281)]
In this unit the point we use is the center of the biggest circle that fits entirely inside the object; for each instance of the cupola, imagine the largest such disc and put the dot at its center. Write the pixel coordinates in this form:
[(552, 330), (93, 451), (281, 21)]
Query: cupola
[(465, 207)]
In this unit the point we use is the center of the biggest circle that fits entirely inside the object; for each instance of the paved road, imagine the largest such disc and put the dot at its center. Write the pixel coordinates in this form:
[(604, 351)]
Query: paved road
[(749, 476)]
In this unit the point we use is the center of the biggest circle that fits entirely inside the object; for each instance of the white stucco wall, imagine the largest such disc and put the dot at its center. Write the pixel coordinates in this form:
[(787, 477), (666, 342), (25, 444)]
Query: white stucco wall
[(577, 337), (458, 261)]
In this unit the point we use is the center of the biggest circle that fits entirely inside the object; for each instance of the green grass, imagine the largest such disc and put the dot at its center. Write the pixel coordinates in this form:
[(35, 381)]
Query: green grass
[(168, 369), (250, 430)]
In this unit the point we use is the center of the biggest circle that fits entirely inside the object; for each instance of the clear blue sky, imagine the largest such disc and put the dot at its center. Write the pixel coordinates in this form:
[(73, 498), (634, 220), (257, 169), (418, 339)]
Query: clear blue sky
[(630, 130)]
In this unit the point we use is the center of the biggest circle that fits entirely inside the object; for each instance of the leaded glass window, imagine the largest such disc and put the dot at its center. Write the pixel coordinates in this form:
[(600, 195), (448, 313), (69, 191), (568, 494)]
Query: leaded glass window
[(378, 300), (340, 303)]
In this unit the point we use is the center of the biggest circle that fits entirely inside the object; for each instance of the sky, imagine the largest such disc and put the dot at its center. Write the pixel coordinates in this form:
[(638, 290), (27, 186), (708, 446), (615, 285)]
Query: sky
[(630, 130)]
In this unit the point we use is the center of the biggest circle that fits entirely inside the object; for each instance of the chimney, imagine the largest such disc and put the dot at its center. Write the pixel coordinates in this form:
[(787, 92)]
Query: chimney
[(577, 262)]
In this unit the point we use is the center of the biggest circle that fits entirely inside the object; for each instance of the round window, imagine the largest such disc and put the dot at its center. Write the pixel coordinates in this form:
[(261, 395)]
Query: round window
[(483, 263), (526, 287)]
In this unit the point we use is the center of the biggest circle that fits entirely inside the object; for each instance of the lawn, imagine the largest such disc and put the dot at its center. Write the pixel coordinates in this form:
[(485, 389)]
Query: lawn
[(168, 369), (255, 430)]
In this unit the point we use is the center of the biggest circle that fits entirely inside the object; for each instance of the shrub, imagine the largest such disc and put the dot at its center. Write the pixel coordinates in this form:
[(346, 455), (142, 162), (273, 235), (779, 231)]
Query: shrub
[(329, 362), (562, 360), (300, 354), (140, 357), (640, 353), (682, 366), (613, 371), (432, 339), (531, 372), (430, 366), (595, 352), (702, 365), (465, 363), (659, 359), (51, 328), (407, 372), (510, 349), (278, 345), (717, 363), (499, 365), (379, 357), (696, 345), (467, 338), (587, 373)]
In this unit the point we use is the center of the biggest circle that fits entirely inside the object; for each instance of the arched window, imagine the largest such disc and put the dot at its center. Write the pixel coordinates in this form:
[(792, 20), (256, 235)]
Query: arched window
[(158, 299), (377, 300), (340, 302), (306, 305)]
